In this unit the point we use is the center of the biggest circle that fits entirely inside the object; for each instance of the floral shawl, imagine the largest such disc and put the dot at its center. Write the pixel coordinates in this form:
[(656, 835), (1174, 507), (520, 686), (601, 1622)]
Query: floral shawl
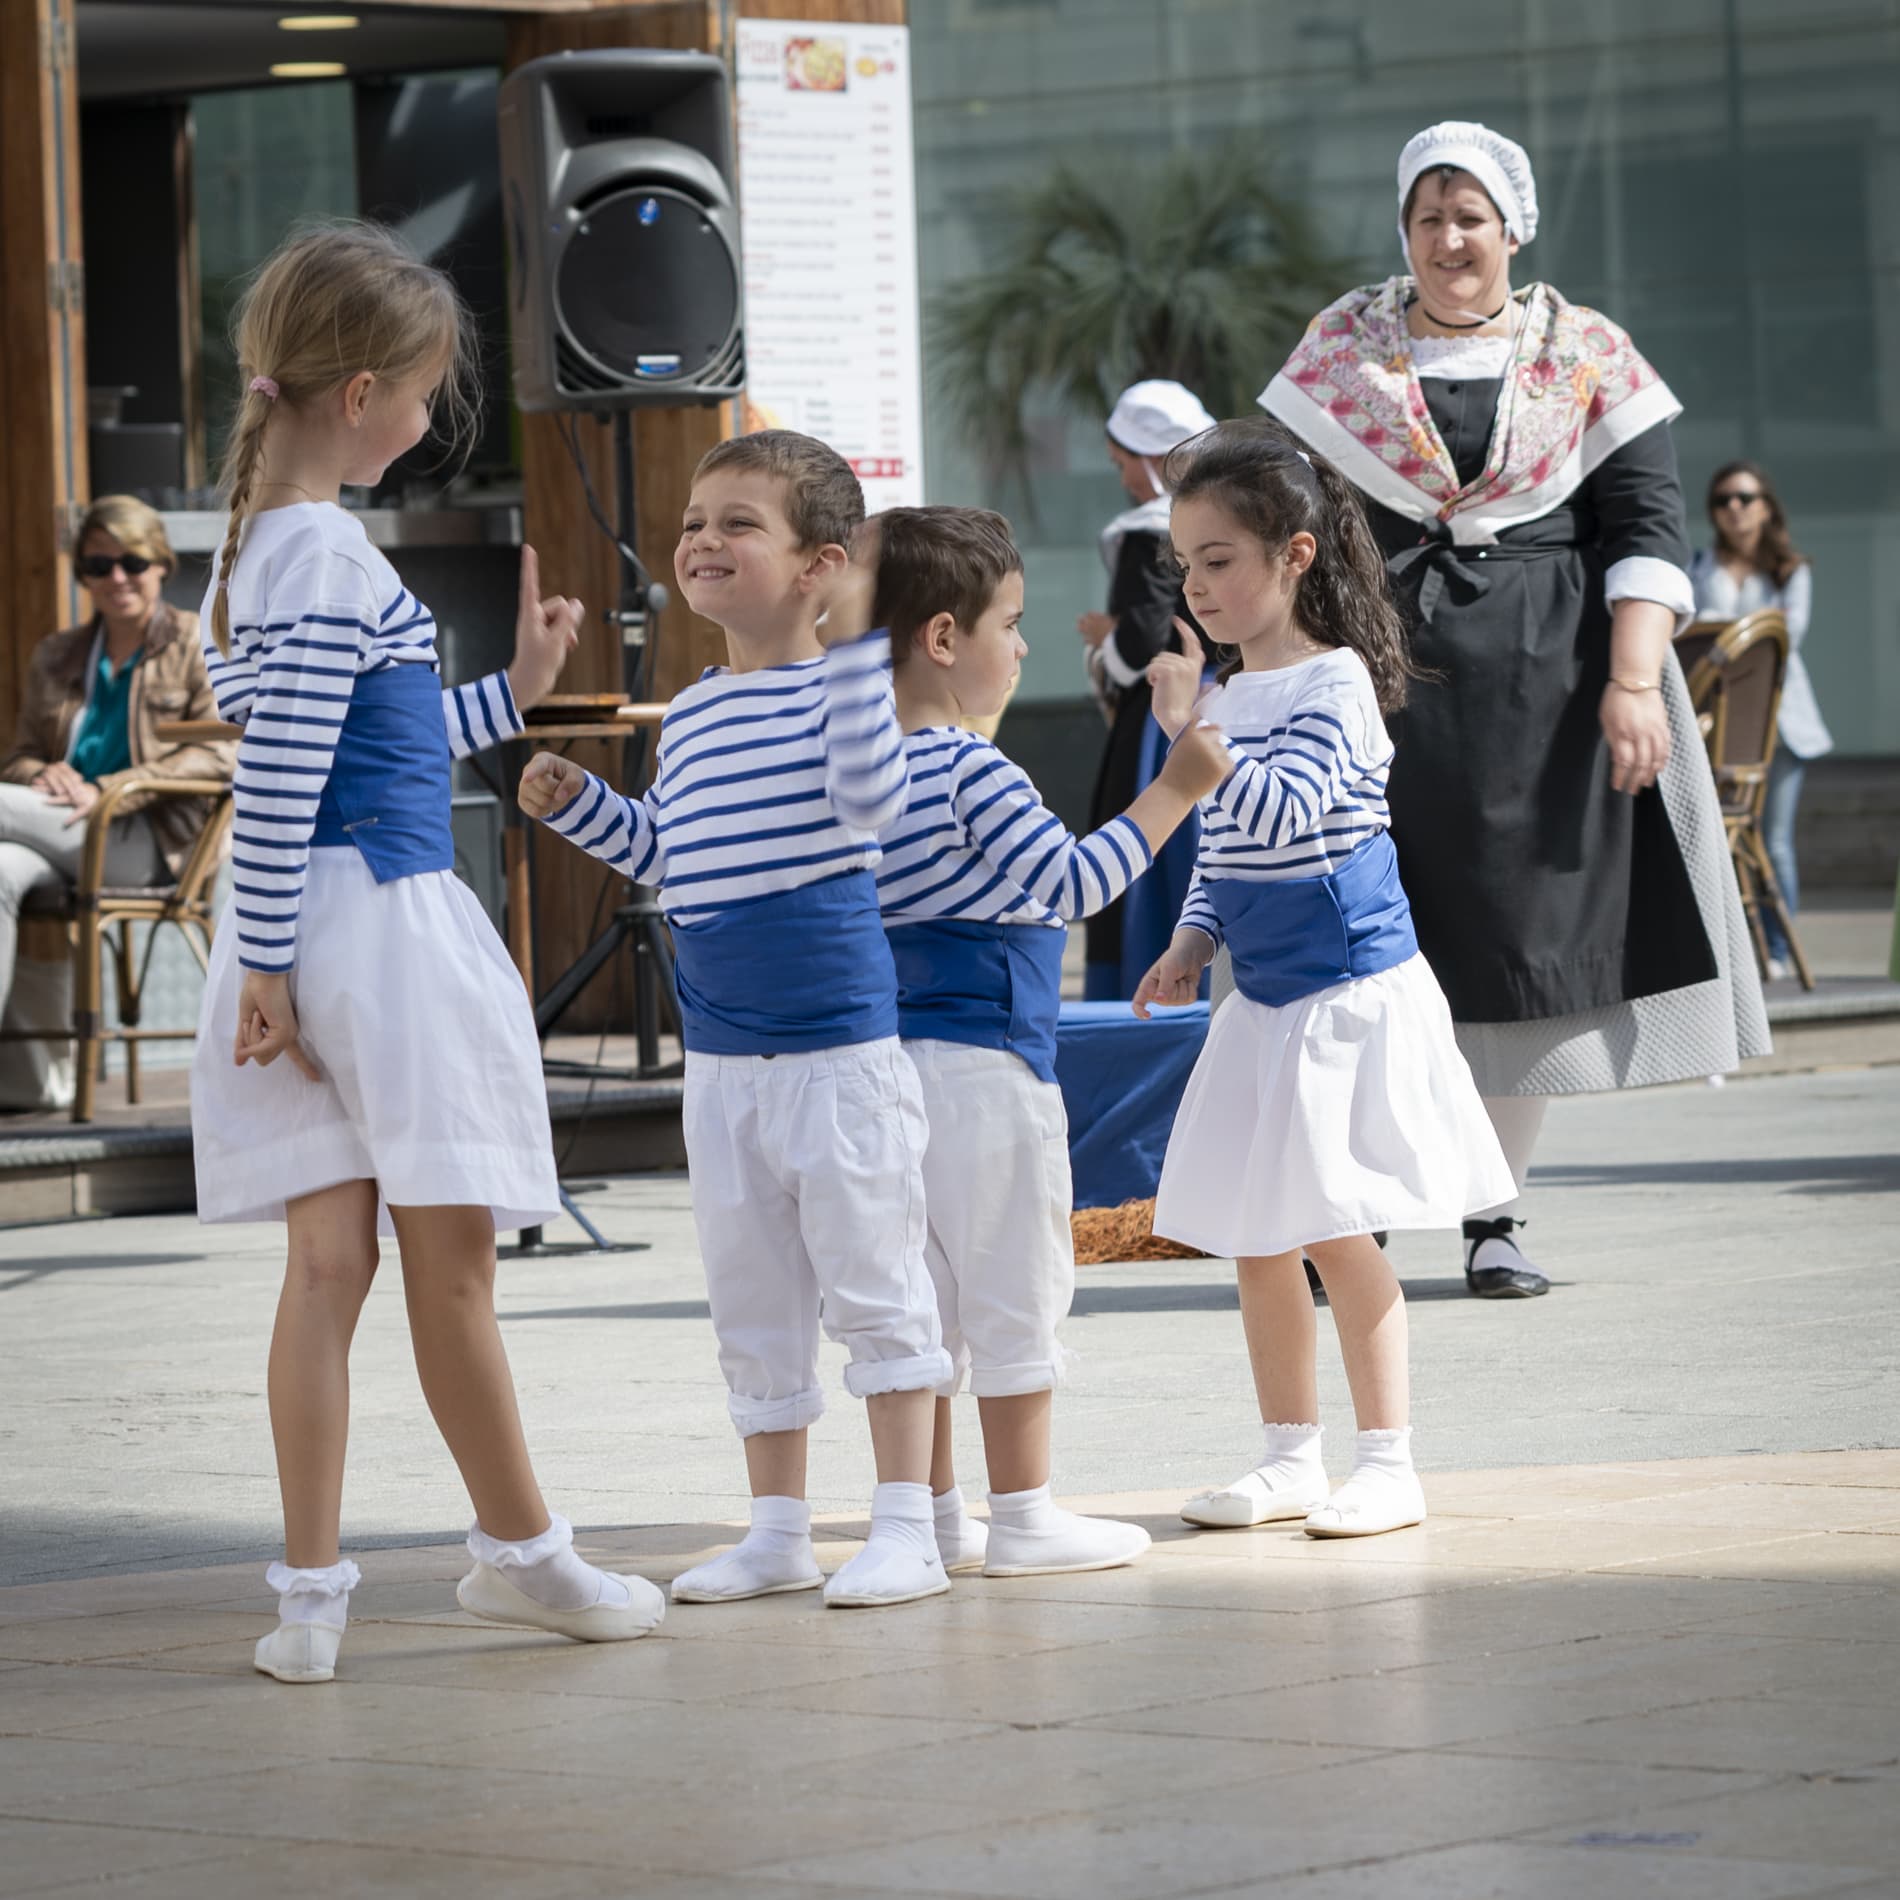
[(1576, 392)]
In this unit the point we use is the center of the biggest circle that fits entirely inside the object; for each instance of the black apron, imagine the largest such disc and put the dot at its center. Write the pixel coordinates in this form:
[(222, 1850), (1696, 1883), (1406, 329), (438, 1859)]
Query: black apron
[(1536, 889)]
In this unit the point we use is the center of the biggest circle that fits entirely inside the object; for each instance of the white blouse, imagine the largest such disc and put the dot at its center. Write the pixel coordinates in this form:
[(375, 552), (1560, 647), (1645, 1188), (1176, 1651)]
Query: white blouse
[(1719, 596)]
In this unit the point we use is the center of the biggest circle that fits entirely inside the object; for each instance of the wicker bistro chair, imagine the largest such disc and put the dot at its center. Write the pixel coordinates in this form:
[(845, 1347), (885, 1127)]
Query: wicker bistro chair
[(97, 916), (1735, 676)]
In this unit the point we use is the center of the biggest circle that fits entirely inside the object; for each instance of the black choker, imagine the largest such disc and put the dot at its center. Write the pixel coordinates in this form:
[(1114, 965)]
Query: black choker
[(1477, 323)]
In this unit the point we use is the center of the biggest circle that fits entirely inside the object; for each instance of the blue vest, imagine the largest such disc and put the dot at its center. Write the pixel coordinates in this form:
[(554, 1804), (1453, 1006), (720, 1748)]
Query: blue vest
[(801, 969), (998, 986), (1292, 936), (390, 787)]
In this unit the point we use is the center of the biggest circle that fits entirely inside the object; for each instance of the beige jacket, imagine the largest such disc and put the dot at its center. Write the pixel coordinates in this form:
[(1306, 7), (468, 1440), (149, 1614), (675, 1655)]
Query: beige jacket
[(169, 683)]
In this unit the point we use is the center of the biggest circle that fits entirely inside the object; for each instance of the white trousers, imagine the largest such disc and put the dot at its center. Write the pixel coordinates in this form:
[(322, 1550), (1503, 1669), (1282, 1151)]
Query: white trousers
[(998, 1197), (807, 1177)]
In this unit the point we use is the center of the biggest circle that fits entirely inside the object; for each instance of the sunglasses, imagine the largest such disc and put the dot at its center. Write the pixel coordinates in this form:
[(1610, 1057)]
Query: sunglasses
[(1736, 498), (98, 567)]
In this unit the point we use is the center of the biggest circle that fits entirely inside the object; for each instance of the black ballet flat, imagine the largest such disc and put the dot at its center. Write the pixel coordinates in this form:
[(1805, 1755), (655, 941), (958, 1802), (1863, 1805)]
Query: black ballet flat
[(1508, 1280)]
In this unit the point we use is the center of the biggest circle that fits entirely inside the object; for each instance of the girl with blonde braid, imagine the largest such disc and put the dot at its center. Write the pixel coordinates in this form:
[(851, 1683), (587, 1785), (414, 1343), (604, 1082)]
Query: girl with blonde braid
[(409, 1096)]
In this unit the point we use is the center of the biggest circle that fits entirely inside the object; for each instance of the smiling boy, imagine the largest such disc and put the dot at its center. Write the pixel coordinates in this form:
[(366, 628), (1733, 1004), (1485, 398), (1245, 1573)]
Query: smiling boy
[(804, 1123)]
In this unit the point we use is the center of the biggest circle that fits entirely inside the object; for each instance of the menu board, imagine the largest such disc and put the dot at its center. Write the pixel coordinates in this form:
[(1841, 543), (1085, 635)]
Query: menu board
[(829, 222)]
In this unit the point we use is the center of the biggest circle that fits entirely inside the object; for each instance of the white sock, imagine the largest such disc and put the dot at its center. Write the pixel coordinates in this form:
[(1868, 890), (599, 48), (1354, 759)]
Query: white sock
[(1294, 1456), (775, 1552), (549, 1569), (314, 1596), (961, 1538), (1383, 1454), (899, 1559), (1025, 1510), (1030, 1532), (1381, 1493)]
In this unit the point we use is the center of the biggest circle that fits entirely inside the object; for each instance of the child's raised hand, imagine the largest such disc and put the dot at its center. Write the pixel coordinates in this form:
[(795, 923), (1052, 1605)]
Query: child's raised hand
[(853, 594), (1198, 762), (1175, 980), (549, 782), (1174, 677), (546, 632), (267, 1024)]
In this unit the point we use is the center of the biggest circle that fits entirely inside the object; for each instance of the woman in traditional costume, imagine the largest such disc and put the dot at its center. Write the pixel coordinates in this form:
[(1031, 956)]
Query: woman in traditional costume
[(1552, 807)]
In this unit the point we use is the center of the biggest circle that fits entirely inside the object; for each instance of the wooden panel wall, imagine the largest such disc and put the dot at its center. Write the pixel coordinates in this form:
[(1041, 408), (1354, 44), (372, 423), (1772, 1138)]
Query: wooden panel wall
[(42, 333)]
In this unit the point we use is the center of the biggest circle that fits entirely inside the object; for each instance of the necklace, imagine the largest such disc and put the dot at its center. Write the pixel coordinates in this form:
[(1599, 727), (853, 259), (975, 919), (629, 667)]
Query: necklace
[(1476, 323), (292, 485)]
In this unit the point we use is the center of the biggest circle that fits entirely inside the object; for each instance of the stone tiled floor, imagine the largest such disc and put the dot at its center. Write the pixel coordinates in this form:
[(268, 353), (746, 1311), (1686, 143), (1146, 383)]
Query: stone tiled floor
[(1575, 1683)]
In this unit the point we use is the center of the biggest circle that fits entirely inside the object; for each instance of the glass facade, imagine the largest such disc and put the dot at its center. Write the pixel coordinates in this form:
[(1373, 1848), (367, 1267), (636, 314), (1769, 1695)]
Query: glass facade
[(1722, 177), (262, 159)]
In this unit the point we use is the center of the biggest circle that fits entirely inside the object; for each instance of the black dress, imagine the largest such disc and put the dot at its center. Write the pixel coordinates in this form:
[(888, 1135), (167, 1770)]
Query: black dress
[(1524, 868), (1144, 597)]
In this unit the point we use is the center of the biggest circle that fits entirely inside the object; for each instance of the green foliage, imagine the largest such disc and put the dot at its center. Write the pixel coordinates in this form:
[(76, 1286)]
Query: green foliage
[(1201, 269)]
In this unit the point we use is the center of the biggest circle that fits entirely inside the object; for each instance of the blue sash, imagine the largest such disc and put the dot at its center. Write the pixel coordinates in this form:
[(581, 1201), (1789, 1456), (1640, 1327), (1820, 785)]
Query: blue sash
[(801, 969), (389, 786), (1292, 936), (998, 986)]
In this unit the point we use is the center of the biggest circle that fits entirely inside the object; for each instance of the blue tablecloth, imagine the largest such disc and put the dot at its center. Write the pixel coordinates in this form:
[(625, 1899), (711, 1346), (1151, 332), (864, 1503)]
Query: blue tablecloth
[(1122, 1080)]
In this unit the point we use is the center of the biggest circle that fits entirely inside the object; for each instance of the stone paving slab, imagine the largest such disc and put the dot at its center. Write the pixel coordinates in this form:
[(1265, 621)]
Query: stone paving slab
[(1728, 1281), (1558, 1688)]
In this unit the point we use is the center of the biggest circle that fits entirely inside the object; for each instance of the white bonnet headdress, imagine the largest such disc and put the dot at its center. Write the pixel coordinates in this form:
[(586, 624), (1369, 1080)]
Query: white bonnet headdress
[(1153, 417), (1499, 164)]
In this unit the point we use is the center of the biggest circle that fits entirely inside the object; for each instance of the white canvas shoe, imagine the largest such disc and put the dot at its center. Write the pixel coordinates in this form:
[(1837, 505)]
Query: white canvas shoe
[(299, 1652)]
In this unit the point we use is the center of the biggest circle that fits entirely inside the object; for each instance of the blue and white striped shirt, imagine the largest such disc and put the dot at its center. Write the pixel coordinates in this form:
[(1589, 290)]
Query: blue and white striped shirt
[(765, 781), (975, 843), (1308, 787), (313, 605)]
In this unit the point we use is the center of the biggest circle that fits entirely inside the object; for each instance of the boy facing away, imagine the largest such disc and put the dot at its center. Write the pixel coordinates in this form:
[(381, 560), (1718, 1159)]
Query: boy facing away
[(804, 1124), (978, 882)]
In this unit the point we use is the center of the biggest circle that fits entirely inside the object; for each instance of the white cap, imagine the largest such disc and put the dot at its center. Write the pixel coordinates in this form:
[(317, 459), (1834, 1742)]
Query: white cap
[(1499, 164), (1152, 418)]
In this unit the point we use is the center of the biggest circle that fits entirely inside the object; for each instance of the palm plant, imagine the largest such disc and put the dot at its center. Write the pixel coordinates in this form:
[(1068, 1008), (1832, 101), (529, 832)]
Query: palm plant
[(1203, 270)]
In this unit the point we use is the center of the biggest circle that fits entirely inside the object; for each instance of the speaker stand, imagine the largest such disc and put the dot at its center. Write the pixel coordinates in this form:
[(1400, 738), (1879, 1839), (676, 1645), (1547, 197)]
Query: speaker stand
[(637, 922)]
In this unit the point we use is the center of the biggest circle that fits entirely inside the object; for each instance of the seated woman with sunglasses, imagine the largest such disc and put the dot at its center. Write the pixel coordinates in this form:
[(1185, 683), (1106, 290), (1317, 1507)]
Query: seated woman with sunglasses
[(94, 696), (1754, 565)]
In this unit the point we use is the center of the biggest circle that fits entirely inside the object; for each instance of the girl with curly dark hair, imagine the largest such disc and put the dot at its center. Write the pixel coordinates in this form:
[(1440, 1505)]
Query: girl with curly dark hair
[(1330, 1101)]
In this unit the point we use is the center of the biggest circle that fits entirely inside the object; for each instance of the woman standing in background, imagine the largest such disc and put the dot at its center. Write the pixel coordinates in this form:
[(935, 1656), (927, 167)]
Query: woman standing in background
[(1754, 565)]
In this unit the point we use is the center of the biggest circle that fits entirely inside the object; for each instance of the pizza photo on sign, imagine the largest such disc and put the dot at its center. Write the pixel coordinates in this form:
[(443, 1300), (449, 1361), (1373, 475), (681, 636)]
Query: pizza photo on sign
[(813, 65)]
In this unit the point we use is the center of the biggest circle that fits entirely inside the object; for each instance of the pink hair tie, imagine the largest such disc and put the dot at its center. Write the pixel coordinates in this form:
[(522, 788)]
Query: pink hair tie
[(264, 386)]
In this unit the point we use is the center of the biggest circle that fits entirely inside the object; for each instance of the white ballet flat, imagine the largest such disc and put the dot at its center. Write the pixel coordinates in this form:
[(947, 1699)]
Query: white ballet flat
[(1242, 1505), (299, 1652), (486, 1593), (1369, 1510)]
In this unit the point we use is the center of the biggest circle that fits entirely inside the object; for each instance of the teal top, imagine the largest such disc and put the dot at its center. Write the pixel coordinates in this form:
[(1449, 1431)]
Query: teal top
[(103, 742)]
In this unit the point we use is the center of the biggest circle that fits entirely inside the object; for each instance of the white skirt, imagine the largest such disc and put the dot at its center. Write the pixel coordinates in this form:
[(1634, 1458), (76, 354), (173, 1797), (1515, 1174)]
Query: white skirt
[(431, 1070), (1348, 1112)]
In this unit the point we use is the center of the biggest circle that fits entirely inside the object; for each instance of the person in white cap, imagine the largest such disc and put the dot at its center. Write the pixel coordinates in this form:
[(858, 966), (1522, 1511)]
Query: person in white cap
[(1556, 826), (1144, 598)]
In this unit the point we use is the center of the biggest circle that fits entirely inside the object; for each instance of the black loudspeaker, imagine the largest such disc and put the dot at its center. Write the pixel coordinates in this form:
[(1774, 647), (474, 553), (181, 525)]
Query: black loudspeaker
[(623, 230)]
